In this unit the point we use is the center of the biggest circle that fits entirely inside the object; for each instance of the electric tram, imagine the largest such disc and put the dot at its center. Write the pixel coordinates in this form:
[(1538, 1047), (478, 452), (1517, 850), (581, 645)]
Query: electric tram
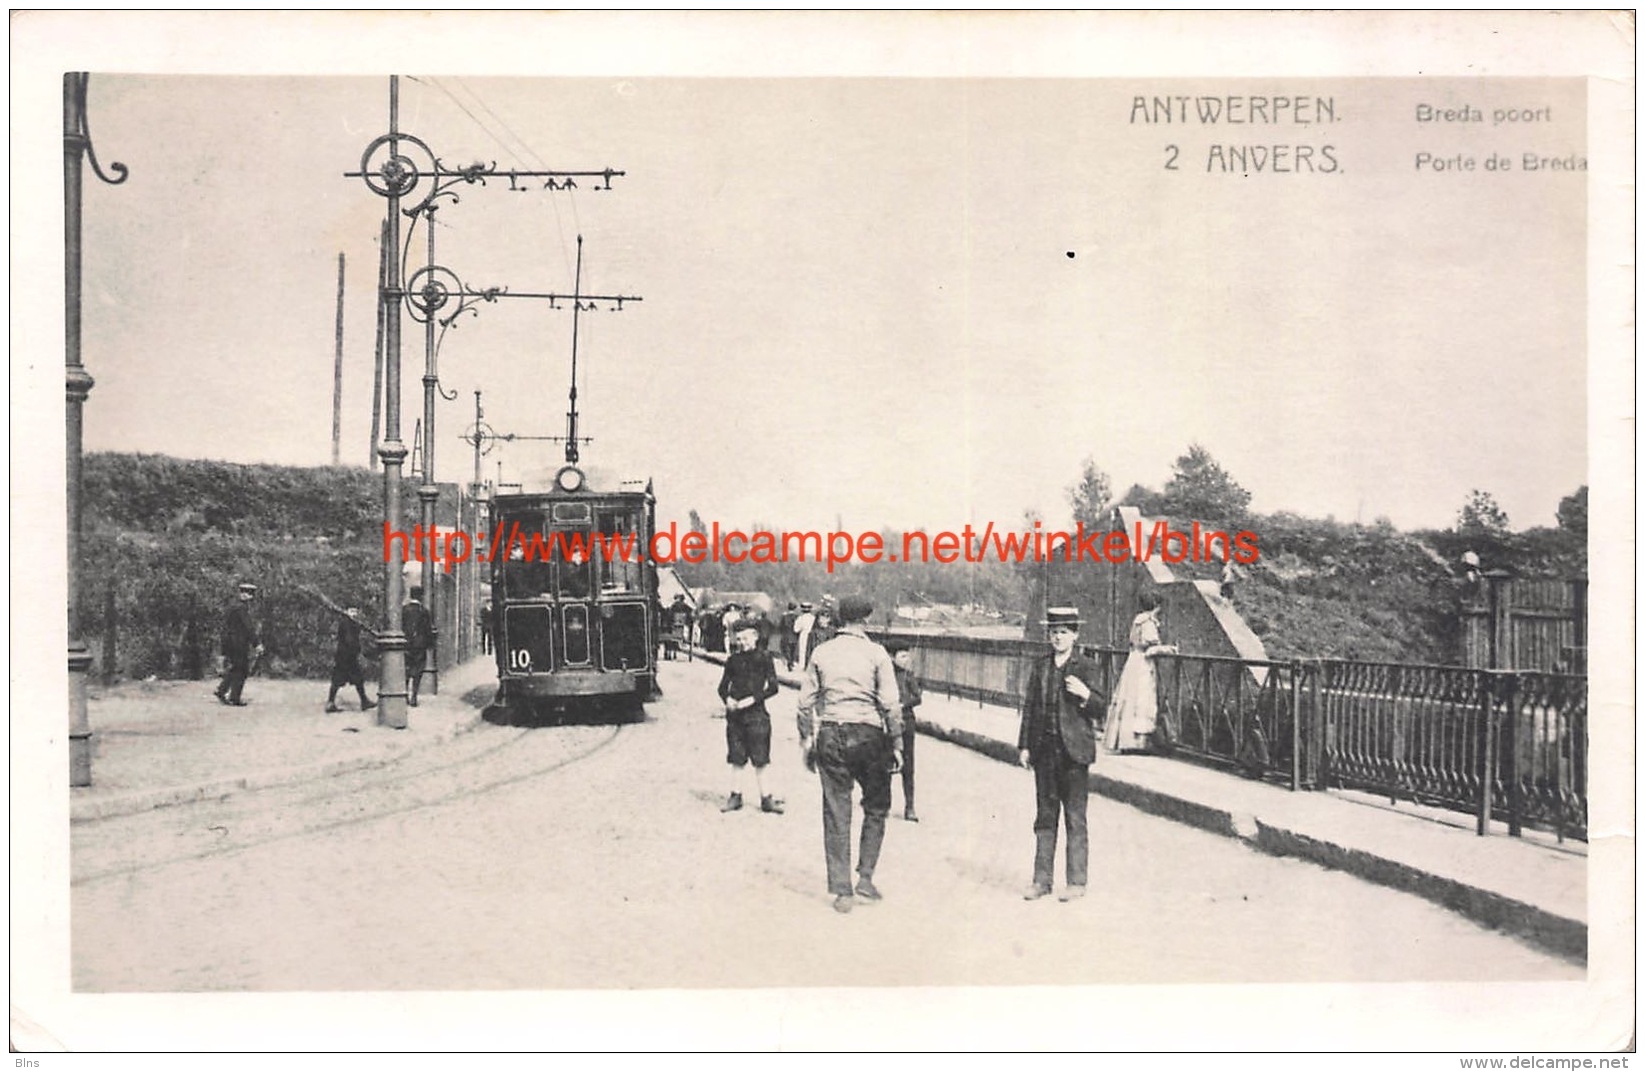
[(573, 622)]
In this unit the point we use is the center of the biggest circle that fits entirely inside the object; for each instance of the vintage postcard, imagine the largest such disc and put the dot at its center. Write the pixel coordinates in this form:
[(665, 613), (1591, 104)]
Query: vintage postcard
[(540, 487)]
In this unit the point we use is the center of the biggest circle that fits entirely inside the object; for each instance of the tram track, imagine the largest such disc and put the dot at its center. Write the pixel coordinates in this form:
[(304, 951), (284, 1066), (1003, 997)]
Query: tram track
[(131, 845)]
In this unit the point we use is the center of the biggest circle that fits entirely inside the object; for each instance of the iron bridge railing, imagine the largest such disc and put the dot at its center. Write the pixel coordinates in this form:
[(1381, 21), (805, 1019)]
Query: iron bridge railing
[(1501, 745)]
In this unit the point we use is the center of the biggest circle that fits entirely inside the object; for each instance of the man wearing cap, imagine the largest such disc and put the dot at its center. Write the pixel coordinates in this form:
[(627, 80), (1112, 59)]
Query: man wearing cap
[(851, 731), (240, 643), (1058, 739)]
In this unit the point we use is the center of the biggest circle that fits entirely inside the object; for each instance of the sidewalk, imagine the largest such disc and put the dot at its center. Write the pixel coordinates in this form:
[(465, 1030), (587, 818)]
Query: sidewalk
[(156, 744), (1532, 887)]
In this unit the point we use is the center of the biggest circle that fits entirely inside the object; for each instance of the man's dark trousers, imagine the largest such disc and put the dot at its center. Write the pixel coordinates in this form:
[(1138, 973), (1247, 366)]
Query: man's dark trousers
[(235, 680), (847, 753), (1060, 784)]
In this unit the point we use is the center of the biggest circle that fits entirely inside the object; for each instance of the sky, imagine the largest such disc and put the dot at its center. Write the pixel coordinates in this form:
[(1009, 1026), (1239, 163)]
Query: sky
[(903, 302)]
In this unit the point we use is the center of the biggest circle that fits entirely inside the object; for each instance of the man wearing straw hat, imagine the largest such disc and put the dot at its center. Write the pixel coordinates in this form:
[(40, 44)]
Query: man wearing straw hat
[(1058, 739)]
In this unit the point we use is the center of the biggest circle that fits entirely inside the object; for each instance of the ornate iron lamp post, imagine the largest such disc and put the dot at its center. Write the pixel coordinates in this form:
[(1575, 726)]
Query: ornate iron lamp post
[(76, 143), (394, 166)]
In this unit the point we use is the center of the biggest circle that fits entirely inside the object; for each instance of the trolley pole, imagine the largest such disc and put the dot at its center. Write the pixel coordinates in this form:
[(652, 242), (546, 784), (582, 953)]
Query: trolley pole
[(76, 144)]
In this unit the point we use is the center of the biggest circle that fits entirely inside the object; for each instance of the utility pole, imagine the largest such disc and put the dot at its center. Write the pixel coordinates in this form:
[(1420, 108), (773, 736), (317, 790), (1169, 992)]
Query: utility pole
[(76, 144), (337, 376), (389, 172)]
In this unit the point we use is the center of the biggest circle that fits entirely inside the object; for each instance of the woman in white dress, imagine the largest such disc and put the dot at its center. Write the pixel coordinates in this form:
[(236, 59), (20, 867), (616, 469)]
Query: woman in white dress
[(1134, 706)]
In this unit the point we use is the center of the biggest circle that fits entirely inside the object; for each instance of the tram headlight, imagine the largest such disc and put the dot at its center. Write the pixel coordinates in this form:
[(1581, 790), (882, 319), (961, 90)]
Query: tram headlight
[(570, 478)]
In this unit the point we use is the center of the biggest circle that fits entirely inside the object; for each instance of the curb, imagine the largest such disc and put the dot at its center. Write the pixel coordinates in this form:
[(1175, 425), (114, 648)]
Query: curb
[(172, 796), (1563, 937)]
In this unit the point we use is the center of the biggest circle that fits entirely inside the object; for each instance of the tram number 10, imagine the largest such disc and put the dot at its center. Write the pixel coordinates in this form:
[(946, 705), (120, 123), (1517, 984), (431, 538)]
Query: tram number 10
[(519, 659)]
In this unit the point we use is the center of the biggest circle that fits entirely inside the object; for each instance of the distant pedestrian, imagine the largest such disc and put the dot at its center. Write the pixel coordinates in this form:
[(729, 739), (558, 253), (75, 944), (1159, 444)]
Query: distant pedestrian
[(1230, 577), (749, 679), (763, 624), (802, 634), (728, 621), (822, 631), (1057, 738), (677, 625), (345, 665), (710, 630), (242, 644), (419, 635), (851, 732), (908, 686), (485, 628), (1134, 709), (785, 633)]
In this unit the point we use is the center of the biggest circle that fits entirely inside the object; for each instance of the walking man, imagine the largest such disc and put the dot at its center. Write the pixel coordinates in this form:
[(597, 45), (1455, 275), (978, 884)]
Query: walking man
[(851, 732), (345, 665), (414, 624), (1058, 739), (241, 644)]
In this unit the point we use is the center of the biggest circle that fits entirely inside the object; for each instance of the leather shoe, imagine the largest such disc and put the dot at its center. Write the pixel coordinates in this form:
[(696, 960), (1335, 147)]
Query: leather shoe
[(909, 816), (866, 890), (1035, 892), (332, 709), (368, 705), (1072, 893), (733, 802), (842, 903), (769, 803), (237, 703)]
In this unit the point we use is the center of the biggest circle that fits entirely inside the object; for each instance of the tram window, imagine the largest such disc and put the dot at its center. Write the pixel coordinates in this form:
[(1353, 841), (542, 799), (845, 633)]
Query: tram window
[(620, 567), (525, 576), (570, 511), (577, 567)]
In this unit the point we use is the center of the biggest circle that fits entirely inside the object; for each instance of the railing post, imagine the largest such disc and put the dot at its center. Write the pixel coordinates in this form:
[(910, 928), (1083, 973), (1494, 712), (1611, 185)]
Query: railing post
[(1510, 734), (1296, 725), (1486, 736)]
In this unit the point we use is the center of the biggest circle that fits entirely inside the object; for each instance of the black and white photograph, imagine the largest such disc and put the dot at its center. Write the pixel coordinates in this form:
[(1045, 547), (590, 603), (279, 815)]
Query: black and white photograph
[(823, 531)]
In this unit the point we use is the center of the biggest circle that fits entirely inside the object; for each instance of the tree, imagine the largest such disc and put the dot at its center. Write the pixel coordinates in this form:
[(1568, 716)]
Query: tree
[(1147, 501), (1090, 498), (1481, 516), (1573, 513), (1200, 488)]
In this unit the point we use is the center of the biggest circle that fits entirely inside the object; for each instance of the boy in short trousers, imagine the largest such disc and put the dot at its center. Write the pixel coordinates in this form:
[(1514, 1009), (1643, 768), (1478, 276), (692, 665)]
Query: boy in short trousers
[(750, 678)]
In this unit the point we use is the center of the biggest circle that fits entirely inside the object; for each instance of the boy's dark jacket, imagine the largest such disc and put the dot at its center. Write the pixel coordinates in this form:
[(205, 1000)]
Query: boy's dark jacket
[(749, 673)]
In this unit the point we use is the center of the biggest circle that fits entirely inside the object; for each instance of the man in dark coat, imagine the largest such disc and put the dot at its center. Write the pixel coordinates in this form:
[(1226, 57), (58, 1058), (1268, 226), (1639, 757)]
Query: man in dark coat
[(345, 666), (415, 624), (1058, 739), (241, 644)]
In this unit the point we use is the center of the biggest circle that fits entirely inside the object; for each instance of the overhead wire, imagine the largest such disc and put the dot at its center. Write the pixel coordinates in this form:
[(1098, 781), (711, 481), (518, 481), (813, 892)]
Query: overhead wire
[(520, 149)]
